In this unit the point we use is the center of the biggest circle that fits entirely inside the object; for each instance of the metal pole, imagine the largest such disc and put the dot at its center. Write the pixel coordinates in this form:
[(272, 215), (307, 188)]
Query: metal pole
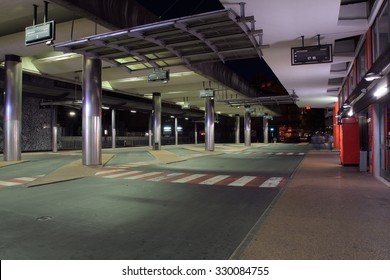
[(209, 125), (35, 14), (54, 129), (156, 121), (150, 129), (113, 127), (237, 129), (92, 106), (196, 133), (247, 126), (176, 133), (13, 108), (45, 15), (265, 129)]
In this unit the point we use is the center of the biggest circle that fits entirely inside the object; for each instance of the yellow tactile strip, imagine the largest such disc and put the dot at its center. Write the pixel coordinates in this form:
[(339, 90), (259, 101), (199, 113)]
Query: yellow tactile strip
[(71, 171), (166, 156)]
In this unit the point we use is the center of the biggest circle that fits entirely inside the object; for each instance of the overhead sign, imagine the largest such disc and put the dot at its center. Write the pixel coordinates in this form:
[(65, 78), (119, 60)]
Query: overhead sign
[(311, 55), (158, 75), (40, 33), (206, 93)]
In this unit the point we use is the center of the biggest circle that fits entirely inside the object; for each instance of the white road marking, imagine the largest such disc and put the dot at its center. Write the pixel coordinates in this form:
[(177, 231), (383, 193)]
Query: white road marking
[(142, 175), (272, 182), (123, 174), (101, 173), (189, 178), (6, 183), (160, 178), (242, 181), (214, 180)]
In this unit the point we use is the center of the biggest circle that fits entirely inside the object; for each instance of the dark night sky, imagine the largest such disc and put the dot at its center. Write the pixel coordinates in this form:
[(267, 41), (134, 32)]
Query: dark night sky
[(169, 9)]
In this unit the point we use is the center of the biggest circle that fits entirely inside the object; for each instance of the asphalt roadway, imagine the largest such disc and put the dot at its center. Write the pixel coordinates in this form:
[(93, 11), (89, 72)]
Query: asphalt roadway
[(139, 207)]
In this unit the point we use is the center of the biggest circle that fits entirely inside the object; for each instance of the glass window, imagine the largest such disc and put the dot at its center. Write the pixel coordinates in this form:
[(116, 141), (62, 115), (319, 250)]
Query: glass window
[(361, 63), (381, 32), (351, 84)]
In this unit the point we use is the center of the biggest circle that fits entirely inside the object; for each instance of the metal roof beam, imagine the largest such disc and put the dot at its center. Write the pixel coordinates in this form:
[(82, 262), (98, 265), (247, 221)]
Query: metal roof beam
[(201, 37)]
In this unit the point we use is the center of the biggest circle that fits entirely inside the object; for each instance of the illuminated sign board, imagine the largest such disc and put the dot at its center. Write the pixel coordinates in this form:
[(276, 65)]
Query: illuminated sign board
[(206, 93), (40, 33), (311, 55)]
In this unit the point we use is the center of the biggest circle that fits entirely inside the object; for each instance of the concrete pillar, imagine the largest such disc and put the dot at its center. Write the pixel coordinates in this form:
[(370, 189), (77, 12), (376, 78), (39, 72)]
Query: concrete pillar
[(265, 129), (196, 133), (54, 129), (13, 108), (113, 128), (379, 136), (150, 131), (247, 126), (156, 121), (237, 130), (209, 125), (92, 107), (176, 133)]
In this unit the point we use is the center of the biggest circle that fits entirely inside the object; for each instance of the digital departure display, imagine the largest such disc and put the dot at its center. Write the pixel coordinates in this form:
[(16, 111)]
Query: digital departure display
[(311, 54), (40, 33)]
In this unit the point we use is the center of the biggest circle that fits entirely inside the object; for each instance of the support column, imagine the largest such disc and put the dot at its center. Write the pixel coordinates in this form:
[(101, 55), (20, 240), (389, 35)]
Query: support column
[(150, 131), (237, 130), (176, 133), (379, 131), (92, 106), (13, 108), (156, 121), (265, 129), (247, 126), (54, 129), (196, 133), (209, 125), (113, 127)]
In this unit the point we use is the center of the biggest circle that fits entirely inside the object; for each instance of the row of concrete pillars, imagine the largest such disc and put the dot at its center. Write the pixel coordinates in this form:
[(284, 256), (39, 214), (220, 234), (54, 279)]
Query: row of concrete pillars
[(91, 115)]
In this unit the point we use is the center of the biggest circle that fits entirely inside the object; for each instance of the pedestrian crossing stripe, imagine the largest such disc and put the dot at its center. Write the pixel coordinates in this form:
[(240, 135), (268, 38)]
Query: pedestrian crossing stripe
[(18, 181), (199, 179)]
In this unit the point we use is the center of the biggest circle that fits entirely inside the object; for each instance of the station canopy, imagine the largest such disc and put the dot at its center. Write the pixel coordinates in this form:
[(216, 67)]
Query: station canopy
[(214, 36)]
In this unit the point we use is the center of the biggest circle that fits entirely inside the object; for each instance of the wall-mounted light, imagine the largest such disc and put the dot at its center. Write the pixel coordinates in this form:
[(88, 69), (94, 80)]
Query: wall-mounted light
[(105, 107), (346, 106), (72, 113), (133, 111), (372, 76)]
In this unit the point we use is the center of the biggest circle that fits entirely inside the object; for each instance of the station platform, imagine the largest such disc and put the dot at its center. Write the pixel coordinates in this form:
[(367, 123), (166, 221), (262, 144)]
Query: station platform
[(327, 211), (55, 208)]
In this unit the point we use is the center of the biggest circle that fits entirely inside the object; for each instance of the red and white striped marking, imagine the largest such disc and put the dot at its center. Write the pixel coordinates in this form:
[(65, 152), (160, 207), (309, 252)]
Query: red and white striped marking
[(18, 181), (201, 179)]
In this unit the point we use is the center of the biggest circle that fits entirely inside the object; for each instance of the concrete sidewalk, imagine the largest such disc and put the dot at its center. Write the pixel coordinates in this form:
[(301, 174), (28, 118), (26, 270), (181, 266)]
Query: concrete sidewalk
[(327, 211)]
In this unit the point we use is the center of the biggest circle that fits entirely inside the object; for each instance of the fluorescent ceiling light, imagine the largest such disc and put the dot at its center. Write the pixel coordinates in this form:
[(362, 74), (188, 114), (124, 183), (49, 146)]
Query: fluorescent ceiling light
[(132, 79), (182, 74), (59, 57)]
